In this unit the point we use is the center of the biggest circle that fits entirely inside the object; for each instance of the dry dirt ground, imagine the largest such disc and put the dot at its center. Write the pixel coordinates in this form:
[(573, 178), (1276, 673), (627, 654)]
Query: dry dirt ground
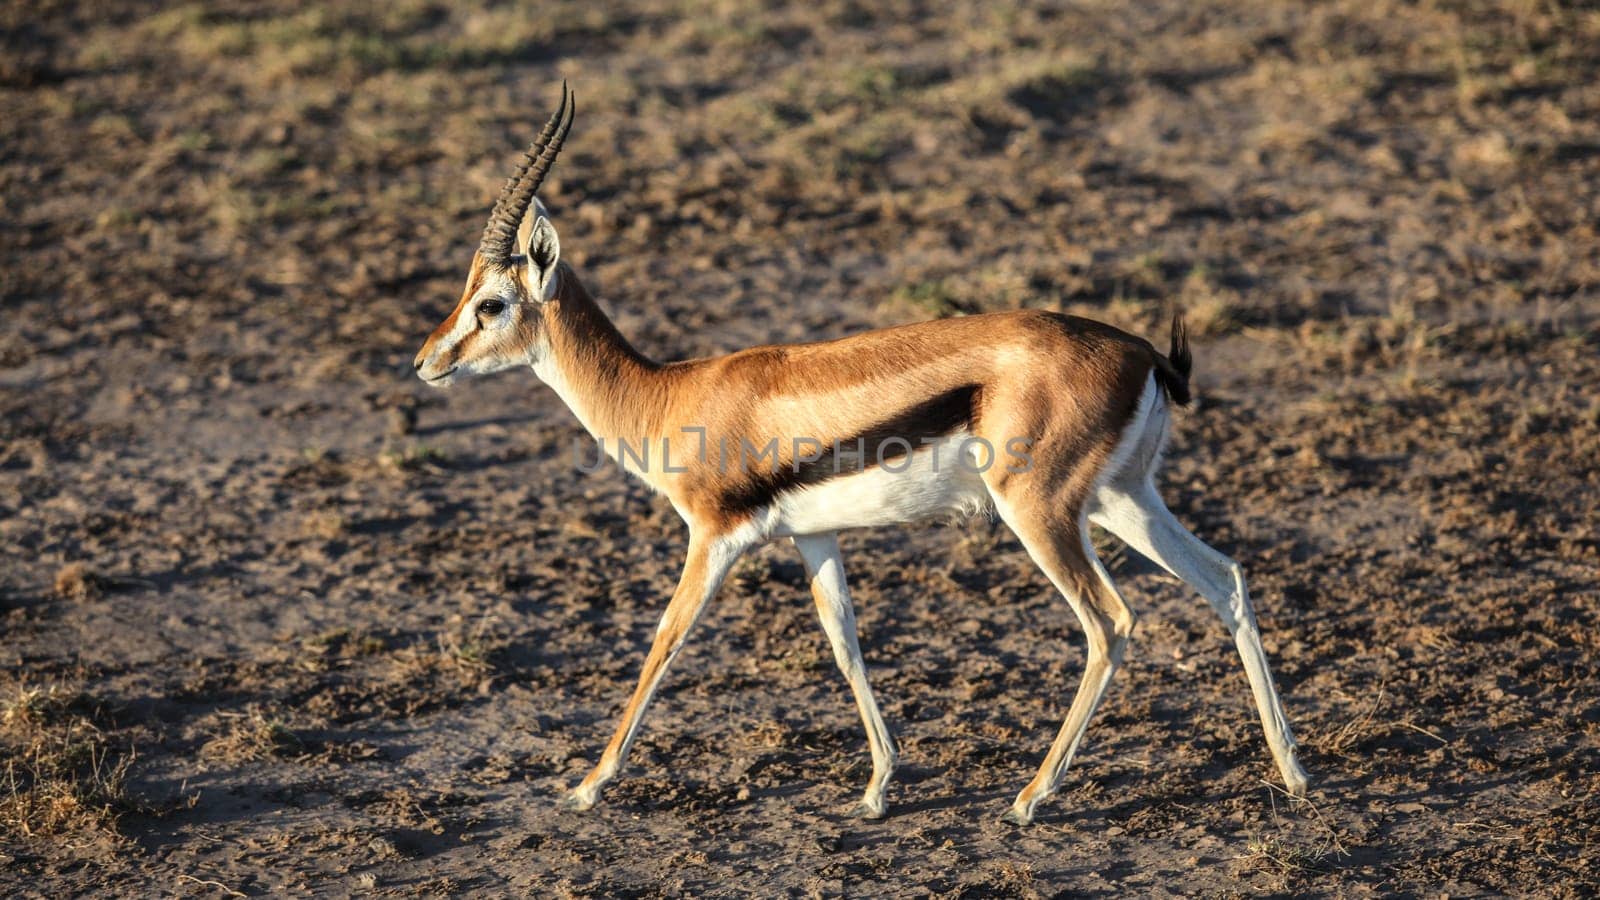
[(278, 620)]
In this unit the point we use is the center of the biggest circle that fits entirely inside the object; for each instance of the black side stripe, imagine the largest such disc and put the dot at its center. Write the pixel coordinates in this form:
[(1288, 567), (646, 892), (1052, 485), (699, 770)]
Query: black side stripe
[(884, 443)]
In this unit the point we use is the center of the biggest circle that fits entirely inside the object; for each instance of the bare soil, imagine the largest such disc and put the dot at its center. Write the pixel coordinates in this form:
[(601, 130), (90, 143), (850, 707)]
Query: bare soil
[(278, 620)]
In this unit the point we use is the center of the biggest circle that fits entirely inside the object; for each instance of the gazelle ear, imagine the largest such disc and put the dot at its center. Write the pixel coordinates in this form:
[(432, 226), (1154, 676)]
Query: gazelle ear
[(542, 249), (525, 227)]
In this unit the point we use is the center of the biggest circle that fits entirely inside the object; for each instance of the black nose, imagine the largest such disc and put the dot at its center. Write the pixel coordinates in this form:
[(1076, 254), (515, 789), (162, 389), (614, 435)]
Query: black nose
[(417, 363)]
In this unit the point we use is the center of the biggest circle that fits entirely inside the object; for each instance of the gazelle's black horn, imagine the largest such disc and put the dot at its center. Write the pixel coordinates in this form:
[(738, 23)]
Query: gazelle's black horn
[(500, 234)]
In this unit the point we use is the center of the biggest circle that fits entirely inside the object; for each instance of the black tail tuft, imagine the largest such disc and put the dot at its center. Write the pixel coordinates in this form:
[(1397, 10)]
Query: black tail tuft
[(1173, 369), (1180, 357)]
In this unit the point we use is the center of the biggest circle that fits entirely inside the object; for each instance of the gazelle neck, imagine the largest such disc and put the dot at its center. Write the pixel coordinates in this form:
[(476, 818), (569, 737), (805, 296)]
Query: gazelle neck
[(613, 389)]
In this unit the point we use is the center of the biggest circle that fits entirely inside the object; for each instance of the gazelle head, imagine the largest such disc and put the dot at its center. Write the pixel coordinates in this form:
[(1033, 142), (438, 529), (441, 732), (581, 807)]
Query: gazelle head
[(498, 322)]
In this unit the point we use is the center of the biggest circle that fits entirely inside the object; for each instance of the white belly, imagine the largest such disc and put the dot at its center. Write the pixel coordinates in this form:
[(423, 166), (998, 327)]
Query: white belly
[(938, 480)]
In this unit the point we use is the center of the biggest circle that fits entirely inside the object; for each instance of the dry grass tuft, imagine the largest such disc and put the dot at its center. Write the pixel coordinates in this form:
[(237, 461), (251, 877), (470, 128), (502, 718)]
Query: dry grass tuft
[(936, 299), (1208, 309), (458, 662), (253, 736), (324, 524), (1285, 856), (413, 457), (62, 774), (1277, 855), (466, 655), (76, 581), (1488, 152)]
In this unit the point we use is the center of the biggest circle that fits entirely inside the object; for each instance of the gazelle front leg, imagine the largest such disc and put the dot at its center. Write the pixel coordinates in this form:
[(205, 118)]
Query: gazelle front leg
[(832, 595), (707, 564)]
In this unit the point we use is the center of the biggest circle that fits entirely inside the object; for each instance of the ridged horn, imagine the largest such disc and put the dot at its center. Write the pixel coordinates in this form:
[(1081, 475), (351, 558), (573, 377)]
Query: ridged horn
[(501, 232)]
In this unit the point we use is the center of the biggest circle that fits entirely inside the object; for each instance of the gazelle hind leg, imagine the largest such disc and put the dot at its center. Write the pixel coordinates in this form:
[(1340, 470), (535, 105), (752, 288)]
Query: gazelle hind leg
[(1131, 509), (1064, 554), (832, 595)]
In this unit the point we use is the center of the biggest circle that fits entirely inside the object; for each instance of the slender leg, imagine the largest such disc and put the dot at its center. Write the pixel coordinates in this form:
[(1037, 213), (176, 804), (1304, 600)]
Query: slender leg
[(1067, 559), (708, 562), (832, 596), (1136, 514)]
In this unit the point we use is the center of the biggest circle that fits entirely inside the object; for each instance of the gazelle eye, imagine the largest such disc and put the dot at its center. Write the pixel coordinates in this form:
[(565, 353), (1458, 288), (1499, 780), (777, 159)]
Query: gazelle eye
[(491, 307)]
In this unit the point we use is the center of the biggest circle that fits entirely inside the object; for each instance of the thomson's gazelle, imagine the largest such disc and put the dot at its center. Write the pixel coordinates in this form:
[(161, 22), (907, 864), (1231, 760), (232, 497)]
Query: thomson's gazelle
[(1052, 421)]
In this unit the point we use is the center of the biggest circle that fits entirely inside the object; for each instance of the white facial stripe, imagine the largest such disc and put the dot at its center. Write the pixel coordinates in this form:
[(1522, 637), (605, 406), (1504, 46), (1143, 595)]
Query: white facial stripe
[(464, 325)]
